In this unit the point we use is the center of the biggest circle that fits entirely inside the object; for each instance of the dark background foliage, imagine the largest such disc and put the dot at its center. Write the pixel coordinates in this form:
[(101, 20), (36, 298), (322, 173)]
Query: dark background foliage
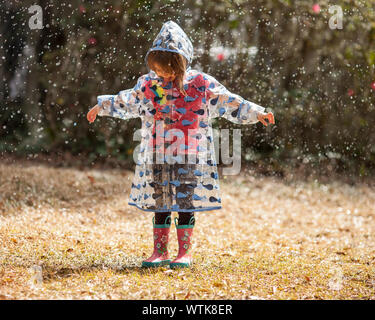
[(318, 82)]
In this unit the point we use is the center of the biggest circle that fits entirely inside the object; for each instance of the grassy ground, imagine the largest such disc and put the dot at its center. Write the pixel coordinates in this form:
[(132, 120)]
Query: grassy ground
[(70, 234)]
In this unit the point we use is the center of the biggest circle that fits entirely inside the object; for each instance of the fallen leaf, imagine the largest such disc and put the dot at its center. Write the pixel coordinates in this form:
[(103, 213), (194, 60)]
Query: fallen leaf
[(227, 254), (341, 253), (168, 271), (92, 179)]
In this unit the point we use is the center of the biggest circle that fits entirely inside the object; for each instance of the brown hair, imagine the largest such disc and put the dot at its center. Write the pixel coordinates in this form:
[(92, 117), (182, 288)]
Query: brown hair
[(170, 62)]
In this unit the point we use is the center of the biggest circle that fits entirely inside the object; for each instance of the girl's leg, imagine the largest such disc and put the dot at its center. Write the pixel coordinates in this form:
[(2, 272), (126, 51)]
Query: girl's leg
[(184, 217), (161, 216)]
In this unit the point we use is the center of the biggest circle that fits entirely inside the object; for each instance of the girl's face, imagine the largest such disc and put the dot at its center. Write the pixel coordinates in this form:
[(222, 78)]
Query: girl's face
[(164, 74)]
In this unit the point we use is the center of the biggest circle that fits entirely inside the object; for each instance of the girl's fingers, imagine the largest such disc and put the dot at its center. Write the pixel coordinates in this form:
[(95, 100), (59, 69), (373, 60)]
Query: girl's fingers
[(261, 117), (91, 117), (271, 118), (262, 120)]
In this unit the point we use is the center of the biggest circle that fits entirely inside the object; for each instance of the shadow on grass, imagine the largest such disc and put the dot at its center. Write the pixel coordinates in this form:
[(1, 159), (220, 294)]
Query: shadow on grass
[(53, 273)]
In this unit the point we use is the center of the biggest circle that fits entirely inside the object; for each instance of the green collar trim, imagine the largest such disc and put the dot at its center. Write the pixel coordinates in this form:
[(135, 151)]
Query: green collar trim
[(185, 226), (167, 223)]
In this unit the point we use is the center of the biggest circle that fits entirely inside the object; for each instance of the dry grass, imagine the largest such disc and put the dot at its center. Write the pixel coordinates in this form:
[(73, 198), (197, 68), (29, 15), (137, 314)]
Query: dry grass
[(274, 239)]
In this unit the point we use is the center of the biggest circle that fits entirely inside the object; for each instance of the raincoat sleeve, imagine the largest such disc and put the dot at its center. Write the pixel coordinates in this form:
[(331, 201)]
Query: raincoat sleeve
[(129, 103), (223, 103)]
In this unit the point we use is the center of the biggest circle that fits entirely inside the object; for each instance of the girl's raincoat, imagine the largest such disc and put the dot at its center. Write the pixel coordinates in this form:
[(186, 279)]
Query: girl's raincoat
[(176, 129)]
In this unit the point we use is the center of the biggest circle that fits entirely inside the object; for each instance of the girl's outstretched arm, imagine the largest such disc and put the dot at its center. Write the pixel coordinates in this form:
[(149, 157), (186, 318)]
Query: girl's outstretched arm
[(129, 103), (223, 103)]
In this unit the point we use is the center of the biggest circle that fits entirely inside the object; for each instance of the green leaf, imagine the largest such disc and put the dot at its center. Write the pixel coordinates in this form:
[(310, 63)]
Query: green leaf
[(233, 24), (371, 57)]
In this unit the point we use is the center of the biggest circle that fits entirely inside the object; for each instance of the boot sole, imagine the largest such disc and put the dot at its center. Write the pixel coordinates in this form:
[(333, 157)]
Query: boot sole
[(180, 265), (146, 264)]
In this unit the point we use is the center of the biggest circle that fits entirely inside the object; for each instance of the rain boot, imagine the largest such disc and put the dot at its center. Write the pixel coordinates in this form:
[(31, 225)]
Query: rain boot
[(160, 256), (184, 237)]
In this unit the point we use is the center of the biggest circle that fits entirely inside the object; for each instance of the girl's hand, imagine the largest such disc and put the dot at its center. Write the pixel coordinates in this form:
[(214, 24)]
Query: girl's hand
[(262, 116), (91, 115)]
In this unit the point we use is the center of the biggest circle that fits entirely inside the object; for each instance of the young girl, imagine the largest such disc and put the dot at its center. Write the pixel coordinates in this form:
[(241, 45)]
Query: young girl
[(176, 169)]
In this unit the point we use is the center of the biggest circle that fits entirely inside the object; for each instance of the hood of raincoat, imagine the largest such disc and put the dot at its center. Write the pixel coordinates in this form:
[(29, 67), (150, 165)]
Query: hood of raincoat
[(172, 38)]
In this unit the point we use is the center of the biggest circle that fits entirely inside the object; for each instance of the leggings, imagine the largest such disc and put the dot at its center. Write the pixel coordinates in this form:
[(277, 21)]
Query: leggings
[(183, 217)]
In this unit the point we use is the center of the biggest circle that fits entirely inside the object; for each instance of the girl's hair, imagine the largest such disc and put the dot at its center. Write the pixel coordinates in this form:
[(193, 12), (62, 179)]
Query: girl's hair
[(170, 62)]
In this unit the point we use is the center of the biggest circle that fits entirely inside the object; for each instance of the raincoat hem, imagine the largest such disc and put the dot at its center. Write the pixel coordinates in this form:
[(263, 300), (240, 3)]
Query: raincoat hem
[(178, 210)]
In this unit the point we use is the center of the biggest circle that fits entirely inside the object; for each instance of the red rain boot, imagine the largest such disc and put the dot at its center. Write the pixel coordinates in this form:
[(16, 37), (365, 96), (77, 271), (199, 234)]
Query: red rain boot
[(184, 235), (160, 256)]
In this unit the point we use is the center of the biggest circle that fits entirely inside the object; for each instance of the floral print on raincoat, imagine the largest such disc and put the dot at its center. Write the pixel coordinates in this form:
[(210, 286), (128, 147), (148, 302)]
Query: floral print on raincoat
[(175, 127)]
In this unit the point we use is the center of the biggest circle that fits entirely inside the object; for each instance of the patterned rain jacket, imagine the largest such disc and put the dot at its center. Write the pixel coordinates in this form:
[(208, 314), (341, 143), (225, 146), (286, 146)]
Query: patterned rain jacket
[(177, 130)]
